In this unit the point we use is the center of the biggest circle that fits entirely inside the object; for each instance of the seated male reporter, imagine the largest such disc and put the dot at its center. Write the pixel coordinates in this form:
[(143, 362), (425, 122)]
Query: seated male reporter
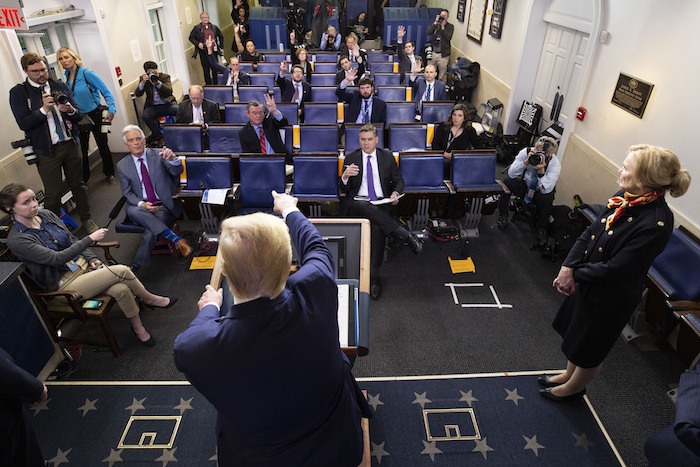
[(148, 179), (533, 177), (232, 74), (271, 365), (195, 109), (261, 135), (371, 174), (160, 101), (427, 87), (294, 89), (363, 106)]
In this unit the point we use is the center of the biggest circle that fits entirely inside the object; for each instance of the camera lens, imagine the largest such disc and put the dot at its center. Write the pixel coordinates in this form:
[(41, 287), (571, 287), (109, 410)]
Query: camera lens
[(153, 77), (60, 98)]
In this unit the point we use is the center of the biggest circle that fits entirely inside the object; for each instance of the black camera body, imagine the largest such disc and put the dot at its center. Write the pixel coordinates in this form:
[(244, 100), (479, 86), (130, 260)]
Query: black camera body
[(27, 149), (330, 38), (538, 157), (441, 19), (153, 77), (59, 97)]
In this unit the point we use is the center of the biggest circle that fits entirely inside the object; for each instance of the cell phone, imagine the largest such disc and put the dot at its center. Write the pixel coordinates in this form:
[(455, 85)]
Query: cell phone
[(157, 203), (92, 304)]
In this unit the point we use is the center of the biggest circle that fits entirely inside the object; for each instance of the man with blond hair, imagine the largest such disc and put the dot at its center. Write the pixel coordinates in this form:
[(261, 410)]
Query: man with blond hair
[(271, 364)]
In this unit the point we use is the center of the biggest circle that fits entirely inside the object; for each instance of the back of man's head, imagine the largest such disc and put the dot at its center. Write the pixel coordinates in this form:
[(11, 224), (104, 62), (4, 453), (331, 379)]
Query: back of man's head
[(30, 59), (256, 253)]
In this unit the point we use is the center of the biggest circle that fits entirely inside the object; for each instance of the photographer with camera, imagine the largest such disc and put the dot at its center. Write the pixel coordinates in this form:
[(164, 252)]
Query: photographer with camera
[(159, 100), (45, 110), (533, 177), (442, 32), (330, 40)]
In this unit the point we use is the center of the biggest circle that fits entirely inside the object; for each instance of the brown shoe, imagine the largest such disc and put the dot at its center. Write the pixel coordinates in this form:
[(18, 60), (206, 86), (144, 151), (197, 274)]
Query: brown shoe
[(183, 248)]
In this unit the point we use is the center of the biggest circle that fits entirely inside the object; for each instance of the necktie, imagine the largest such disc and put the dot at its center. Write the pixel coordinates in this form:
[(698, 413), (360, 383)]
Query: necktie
[(57, 123), (296, 93), (263, 144), (365, 113), (429, 92), (150, 194), (370, 180)]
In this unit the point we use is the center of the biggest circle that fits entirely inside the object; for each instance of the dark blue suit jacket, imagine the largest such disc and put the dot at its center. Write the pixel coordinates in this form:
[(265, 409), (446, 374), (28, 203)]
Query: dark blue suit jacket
[(419, 85), (33, 122), (243, 77), (354, 101), (274, 370)]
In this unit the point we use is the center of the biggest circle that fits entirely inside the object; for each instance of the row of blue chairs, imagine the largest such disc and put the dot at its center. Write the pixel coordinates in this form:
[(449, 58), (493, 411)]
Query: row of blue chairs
[(323, 79), (316, 176), (306, 138)]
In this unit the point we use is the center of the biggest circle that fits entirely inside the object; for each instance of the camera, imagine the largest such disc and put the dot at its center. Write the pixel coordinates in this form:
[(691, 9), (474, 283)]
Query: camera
[(441, 19), (539, 156), (27, 150), (59, 97), (331, 38), (153, 77)]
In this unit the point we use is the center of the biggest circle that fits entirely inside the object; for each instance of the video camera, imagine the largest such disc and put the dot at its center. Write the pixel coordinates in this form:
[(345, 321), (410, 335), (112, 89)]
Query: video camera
[(295, 20)]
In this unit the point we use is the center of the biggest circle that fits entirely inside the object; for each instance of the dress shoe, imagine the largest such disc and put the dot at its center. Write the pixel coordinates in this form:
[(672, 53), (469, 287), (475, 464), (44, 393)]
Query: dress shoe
[(111, 180), (502, 222), (173, 301), (546, 382), (183, 248), (547, 394), (375, 288), (414, 243), (149, 343), (90, 226)]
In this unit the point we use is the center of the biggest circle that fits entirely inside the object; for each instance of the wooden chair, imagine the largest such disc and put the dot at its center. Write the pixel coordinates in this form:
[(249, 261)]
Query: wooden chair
[(60, 306)]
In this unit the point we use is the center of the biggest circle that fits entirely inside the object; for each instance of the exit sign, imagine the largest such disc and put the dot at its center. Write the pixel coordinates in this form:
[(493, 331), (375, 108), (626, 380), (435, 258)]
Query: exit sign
[(11, 15)]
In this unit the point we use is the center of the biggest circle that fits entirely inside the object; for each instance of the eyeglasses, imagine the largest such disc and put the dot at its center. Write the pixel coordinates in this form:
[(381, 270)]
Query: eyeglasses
[(36, 72)]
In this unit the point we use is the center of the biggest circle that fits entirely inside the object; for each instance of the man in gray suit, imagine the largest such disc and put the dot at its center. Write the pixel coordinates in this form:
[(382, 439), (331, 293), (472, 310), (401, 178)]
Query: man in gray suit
[(148, 179)]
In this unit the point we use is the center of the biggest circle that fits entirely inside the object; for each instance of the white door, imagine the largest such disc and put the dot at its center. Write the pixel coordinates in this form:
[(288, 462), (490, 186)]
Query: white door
[(559, 69)]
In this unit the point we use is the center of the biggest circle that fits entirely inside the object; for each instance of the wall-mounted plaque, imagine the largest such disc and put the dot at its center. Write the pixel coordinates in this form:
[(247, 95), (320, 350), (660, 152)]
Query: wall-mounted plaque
[(632, 94), (477, 15), (499, 10), (461, 7)]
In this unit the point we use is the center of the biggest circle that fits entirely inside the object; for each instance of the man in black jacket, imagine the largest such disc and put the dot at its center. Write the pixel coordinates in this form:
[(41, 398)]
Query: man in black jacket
[(160, 101), (199, 35), (371, 174), (408, 60), (294, 90), (261, 135), (45, 110), (363, 107), (442, 32), (196, 109)]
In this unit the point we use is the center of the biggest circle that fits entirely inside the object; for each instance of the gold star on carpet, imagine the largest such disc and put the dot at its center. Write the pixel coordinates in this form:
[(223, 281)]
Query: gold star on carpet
[(421, 399), (114, 456), (374, 401), (184, 405), (61, 457), (582, 441), (43, 406), (513, 396), (430, 449), (136, 405), (88, 406), (468, 398), (378, 451), (482, 447), (168, 456), (532, 444)]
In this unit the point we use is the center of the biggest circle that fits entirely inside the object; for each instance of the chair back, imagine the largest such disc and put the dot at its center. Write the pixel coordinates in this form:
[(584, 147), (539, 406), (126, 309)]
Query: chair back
[(677, 268), (379, 57), (387, 79), (318, 138), (324, 79), (325, 67), (474, 171), (218, 94), (323, 94), (204, 173), (327, 57), (422, 172), (392, 93), (247, 67), (289, 110), (352, 136), (385, 67), (262, 79), (275, 57), (408, 137), (321, 112), (437, 111), (183, 138), (316, 177), (400, 112), (252, 93), (224, 139), (268, 66), (236, 113), (259, 176)]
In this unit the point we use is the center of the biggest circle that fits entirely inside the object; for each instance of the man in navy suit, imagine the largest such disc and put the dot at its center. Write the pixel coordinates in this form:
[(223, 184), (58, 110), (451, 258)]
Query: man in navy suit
[(148, 179), (294, 90), (408, 60), (271, 365), (18, 444), (363, 107), (427, 87), (371, 174), (232, 74), (261, 135)]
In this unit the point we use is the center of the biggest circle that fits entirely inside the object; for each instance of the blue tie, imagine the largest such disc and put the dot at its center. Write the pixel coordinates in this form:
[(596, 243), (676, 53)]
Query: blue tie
[(370, 180), (429, 92), (57, 123), (365, 114)]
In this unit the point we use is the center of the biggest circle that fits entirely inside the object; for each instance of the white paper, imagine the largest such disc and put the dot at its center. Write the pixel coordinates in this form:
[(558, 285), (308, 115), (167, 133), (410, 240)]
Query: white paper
[(343, 300), (215, 196)]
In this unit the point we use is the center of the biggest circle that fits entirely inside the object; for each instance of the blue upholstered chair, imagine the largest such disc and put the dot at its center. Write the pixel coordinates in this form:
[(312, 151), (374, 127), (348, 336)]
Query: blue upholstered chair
[(289, 110), (259, 176), (263, 79), (268, 66), (437, 111), (316, 177), (204, 173), (327, 57), (422, 172), (352, 136), (474, 172), (223, 139), (218, 94), (324, 79), (252, 93), (275, 57), (323, 94), (325, 67), (408, 137), (400, 112), (318, 138), (235, 113), (321, 112), (392, 93), (387, 79), (382, 67), (379, 57), (183, 138)]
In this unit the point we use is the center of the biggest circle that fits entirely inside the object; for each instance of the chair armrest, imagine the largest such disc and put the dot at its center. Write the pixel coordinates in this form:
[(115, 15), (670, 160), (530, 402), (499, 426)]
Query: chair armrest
[(450, 187), (72, 298), (682, 307), (109, 259)]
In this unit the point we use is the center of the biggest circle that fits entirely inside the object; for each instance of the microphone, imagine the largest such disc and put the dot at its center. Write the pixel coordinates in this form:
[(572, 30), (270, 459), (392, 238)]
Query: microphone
[(115, 210)]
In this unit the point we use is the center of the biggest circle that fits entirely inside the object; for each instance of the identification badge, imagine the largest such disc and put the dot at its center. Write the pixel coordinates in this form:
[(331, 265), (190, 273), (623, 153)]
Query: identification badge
[(72, 265)]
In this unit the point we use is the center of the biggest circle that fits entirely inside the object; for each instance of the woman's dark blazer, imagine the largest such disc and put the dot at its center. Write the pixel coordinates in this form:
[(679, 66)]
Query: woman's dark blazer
[(467, 140)]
